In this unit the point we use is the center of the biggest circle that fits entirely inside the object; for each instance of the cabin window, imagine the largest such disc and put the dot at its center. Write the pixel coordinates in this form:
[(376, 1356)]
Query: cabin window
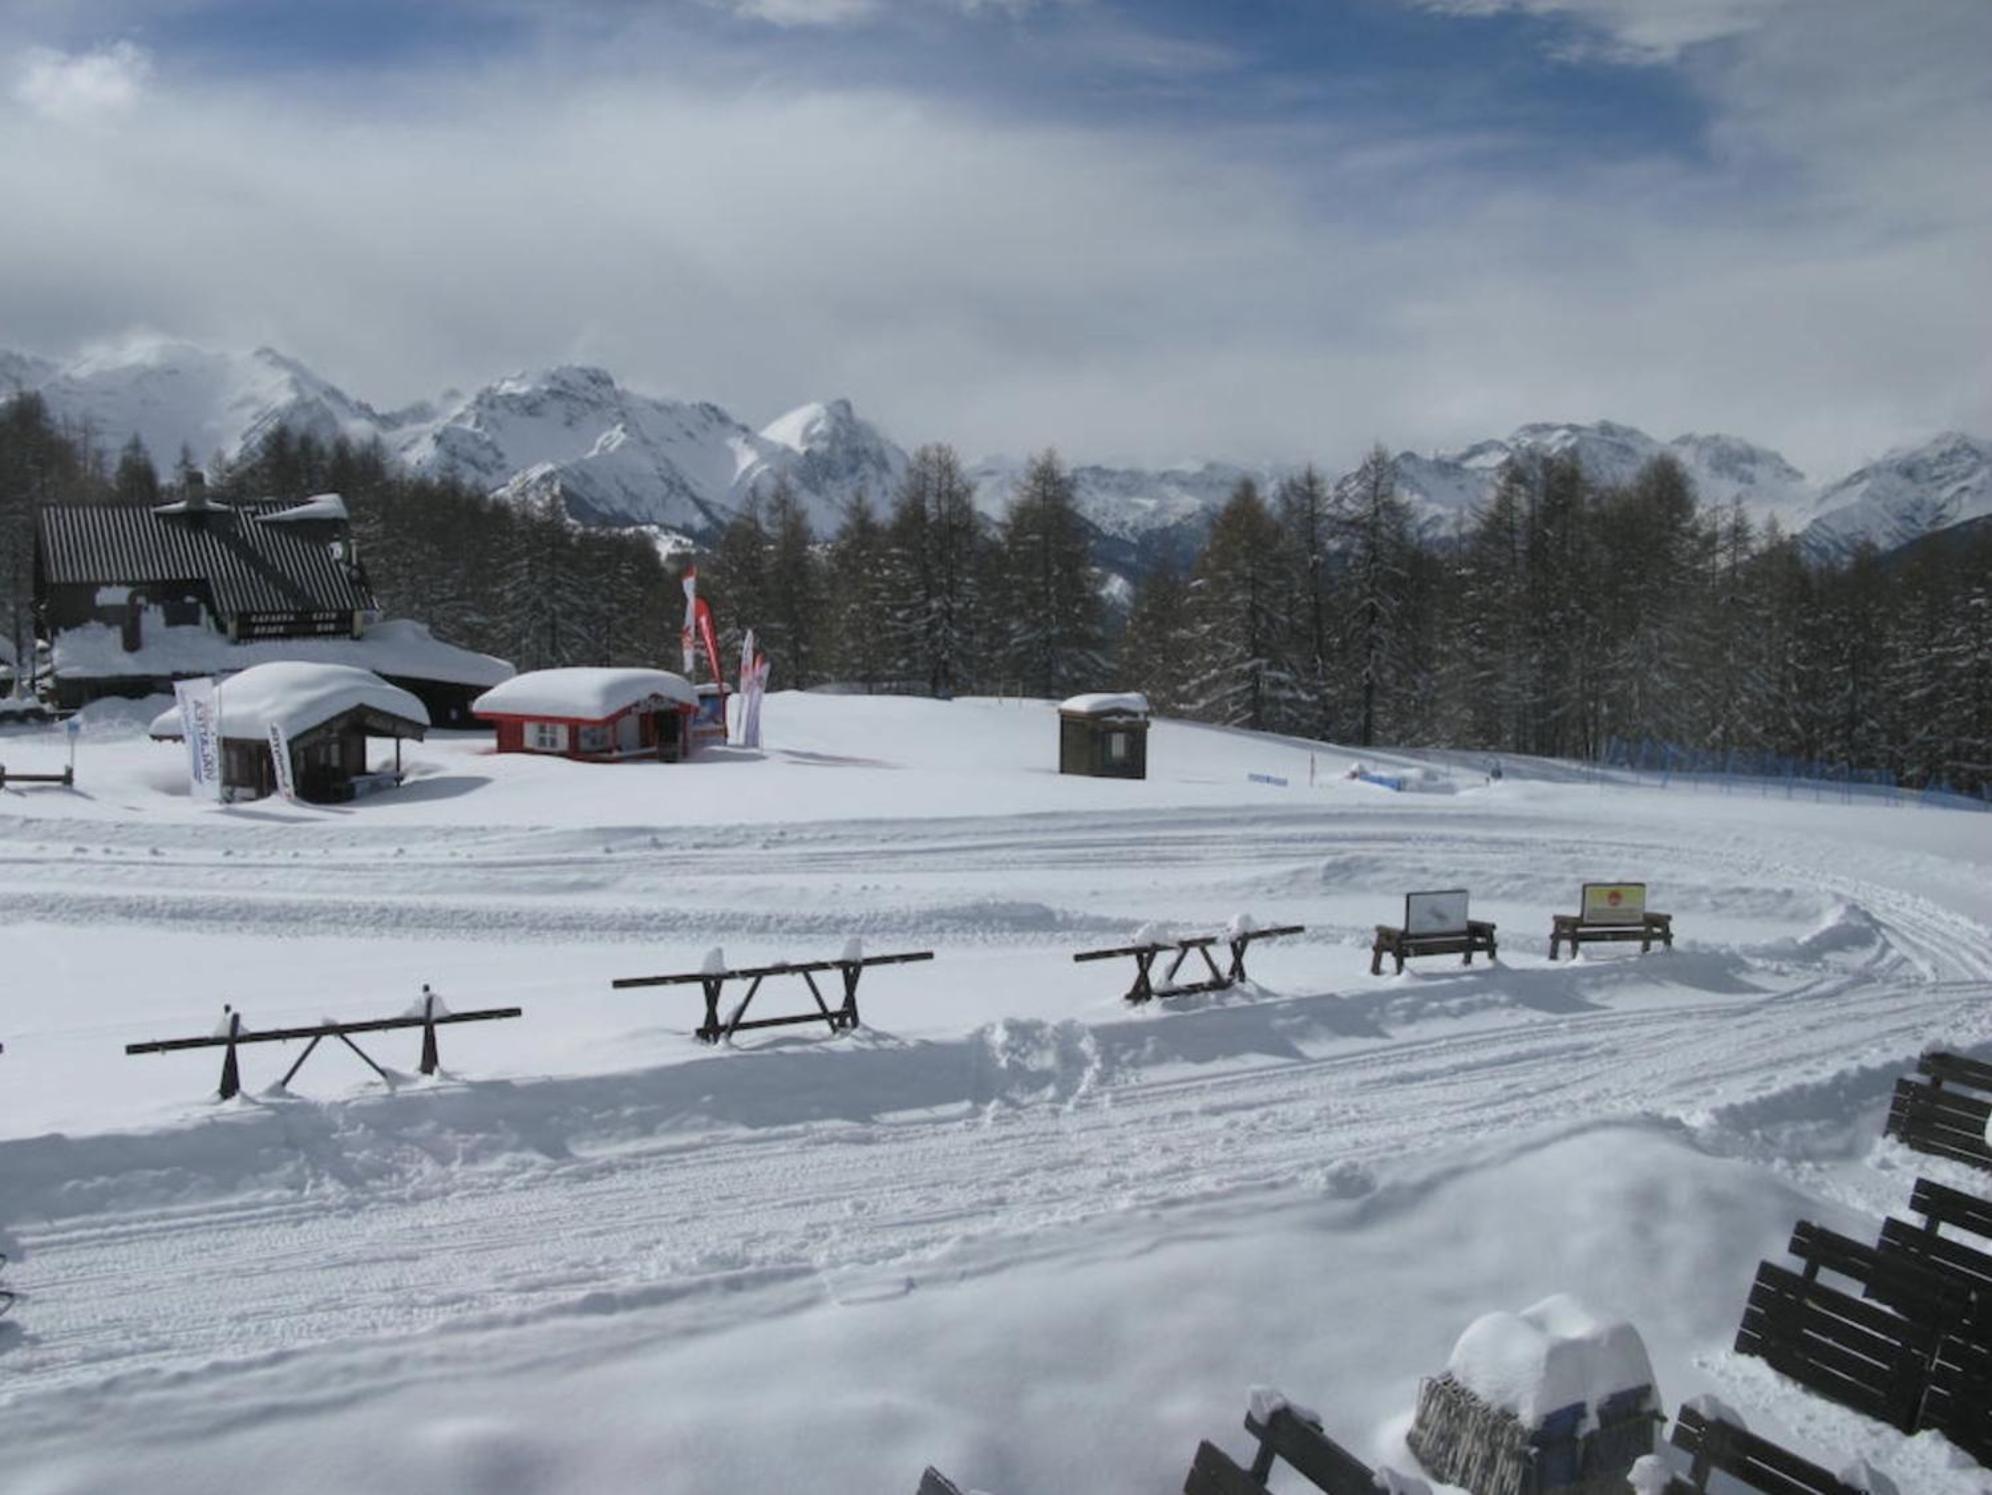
[(594, 739), (1117, 747), (181, 612), (546, 737)]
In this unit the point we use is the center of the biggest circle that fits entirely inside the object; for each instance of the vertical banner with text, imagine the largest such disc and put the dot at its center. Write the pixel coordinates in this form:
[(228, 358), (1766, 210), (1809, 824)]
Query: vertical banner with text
[(280, 755), (202, 733)]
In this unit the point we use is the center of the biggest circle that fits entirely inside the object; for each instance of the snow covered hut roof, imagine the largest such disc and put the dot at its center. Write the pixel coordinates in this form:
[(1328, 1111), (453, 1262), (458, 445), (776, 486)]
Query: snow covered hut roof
[(1106, 703), (297, 697), (583, 693), (322, 506), (1555, 1355), (398, 647)]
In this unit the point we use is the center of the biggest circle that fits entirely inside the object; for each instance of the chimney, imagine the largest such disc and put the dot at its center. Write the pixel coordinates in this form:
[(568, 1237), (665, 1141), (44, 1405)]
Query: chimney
[(197, 492)]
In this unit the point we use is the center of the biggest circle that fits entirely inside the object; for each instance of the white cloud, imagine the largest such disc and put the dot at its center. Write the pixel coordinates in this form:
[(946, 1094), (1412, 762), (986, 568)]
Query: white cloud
[(1636, 30), (83, 87), (1004, 284)]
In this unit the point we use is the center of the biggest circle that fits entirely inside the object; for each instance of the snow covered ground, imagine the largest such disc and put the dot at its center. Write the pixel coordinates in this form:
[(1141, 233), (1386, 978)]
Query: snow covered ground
[(1010, 1227)]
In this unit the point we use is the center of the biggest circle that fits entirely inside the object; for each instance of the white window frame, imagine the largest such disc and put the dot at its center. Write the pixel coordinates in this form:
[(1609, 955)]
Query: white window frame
[(546, 737)]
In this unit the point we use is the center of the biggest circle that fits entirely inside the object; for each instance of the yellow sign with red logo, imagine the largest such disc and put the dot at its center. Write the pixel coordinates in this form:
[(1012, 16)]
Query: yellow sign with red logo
[(1614, 902)]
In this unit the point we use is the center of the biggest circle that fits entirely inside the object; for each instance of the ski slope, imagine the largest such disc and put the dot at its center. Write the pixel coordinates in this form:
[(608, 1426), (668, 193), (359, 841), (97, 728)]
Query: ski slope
[(1010, 1226)]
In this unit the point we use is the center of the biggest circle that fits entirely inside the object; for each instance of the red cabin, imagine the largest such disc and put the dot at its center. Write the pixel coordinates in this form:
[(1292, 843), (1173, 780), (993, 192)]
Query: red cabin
[(596, 715)]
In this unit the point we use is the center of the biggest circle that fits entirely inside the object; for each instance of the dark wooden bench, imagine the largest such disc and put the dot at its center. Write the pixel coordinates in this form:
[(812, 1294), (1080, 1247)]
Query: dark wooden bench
[(431, 1017), (1145, 987), (1958, 1400), (67, 778), (1911, 1284), (1968, 1267), (839, 1019), (1860, 1354), (1716, 1447), (1435, 923), (1935, 1115), (1611, 911), (1284, 1437)]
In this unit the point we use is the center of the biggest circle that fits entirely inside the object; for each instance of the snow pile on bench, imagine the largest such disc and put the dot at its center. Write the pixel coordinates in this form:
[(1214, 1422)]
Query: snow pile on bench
[(1557, 1385), (1106, 703), (583, 693), (296, 697)]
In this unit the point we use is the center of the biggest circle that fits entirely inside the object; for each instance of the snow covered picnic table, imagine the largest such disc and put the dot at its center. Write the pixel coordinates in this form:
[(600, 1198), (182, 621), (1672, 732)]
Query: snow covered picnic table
[(714, 973)]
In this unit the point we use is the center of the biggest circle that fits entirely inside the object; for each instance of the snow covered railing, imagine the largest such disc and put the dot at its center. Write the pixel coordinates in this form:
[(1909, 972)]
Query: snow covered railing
[(428, 1015), (1928, 1118), (1435, 923), (1237, 938), (715, 973), (1291, 1435), (1714, 1446)]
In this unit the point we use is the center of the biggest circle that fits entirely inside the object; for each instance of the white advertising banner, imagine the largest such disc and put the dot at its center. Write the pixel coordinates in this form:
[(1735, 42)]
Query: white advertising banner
[(280, 755), (202, 734), (1435, 913)]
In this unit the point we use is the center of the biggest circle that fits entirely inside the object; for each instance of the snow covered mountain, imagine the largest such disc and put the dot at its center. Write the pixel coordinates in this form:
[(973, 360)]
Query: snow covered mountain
[(1724, 469), (617, 457), (1909, 493)]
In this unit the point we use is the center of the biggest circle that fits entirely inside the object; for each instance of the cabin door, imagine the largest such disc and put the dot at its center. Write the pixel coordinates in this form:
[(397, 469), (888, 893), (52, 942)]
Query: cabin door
[(629, 732)]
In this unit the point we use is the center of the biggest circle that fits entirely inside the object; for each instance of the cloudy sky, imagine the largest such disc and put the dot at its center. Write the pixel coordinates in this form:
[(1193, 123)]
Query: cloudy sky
[(1264, 229)]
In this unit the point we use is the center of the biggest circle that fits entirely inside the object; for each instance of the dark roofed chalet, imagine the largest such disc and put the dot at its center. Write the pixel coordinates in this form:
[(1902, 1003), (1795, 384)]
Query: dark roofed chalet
[(248, 569)]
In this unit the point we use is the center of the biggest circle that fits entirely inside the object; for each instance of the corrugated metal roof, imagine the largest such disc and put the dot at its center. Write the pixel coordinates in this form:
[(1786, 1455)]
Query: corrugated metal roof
[(248, 567)]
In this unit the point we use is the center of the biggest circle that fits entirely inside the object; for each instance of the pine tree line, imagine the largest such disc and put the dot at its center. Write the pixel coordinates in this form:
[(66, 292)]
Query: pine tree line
[(1563, 615)]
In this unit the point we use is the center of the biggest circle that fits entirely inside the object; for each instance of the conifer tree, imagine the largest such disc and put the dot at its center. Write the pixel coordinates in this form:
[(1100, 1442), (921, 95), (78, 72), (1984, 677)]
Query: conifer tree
[(1048, 592)]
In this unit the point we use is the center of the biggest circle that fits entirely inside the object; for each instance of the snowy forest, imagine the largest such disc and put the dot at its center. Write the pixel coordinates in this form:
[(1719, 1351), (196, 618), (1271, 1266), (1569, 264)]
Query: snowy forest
[(1561, 618)]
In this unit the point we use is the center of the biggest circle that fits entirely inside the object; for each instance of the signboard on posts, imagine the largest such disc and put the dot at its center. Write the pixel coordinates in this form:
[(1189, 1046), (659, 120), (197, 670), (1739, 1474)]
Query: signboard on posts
[(1435, 913), (1614, 903)]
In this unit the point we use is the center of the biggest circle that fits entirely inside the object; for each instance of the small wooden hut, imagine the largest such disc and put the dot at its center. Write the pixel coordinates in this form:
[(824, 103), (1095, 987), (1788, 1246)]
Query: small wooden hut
[(593, 715), (326, 714), (1104, 736)]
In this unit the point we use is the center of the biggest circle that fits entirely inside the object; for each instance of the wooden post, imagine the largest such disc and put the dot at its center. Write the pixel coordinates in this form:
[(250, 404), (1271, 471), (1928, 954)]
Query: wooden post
[(430, 1061), (709, 1031), (231, 1072)]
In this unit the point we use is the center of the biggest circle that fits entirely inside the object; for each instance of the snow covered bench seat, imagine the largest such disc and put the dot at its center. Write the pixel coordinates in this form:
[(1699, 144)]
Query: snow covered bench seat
[(1712, 1446), (1434, 924), (1611, 911), (1293, 1436), (1927, 1117)]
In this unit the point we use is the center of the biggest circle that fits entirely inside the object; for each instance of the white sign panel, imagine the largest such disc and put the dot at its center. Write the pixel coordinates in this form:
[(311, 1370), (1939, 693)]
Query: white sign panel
[(280, 755), (1435, 913), (202, 734)]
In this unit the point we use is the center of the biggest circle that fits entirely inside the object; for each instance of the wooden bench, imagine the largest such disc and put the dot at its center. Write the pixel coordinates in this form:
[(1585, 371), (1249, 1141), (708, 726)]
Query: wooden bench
[(839, 1019), (1717, 1447), (432, 1016), (1912, 1285), (1612, 911), (1935, 1115), (1284, 1436), (1860, 1354), (1145, 956), (1968, 1267), (67, 778), (1434, 924)]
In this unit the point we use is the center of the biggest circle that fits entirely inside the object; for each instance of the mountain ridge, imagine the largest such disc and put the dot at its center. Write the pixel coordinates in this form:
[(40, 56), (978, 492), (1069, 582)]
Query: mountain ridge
[(612, 456)]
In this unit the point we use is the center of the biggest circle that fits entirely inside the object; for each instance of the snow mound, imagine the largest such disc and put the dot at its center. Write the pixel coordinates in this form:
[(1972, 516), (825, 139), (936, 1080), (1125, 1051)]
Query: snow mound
[(1556, 1354), (1106, 703)]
